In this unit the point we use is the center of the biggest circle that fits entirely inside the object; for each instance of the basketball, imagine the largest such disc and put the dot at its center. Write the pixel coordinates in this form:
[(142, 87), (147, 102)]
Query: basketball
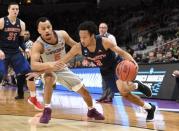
[(126, 70)]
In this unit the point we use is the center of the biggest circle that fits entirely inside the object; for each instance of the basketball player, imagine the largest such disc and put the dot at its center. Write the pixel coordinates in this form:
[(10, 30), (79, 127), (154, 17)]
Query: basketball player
[(102, 51), (11, 38), (108, 94), (50, 46)]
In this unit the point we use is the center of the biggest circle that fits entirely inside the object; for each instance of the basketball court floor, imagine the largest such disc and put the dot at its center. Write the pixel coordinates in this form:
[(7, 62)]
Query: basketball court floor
[(69, 114)]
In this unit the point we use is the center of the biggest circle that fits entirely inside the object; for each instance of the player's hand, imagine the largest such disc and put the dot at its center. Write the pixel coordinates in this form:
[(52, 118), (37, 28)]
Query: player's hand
[(28, 53), (2, 55), (137, 66), (176, 73), (60, 65), (32, 75), (57, 66)]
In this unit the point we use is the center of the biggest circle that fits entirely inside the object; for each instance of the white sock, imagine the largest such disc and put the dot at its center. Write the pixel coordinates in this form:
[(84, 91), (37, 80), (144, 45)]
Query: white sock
[(147, 106), (32, 93), (47, 105), (90, 108), (136, 86)]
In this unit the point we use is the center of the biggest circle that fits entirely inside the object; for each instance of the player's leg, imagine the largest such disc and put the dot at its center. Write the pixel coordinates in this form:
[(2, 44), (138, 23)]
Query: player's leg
[(2, 70), (110, 80), (71, 81), (20, 85), (125, 89), (104, 92), (21, 68), (49, 79), (92, 112), (143, 88)]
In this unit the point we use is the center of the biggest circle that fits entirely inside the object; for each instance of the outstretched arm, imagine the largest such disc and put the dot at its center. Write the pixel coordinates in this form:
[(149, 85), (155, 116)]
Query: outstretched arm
[(112, 46), (75, 50)]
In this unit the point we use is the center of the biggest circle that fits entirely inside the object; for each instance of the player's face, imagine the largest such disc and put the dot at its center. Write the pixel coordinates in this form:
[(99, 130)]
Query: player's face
[(13, 10), (85, 37), (45, 30), (102, 28), (26, 35)]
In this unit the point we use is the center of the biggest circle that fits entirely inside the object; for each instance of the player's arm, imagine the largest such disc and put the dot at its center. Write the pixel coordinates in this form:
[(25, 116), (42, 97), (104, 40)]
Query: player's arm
[(68, 40), (112, 46), (1, 23), (21, 37), (2, 55), (36, 65), (75, 50), (37, 50)]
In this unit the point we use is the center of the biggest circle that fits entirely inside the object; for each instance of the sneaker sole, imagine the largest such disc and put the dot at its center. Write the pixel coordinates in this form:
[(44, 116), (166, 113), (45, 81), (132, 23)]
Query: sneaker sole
[(35, 106), (92, 118), (42, 122)]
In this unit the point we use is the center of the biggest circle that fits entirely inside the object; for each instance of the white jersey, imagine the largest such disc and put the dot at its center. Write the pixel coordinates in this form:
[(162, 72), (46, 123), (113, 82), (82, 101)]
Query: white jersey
[(53, 52)]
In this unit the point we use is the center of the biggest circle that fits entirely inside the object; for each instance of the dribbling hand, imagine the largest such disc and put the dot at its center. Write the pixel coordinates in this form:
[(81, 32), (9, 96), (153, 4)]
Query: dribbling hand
[(137, 66)]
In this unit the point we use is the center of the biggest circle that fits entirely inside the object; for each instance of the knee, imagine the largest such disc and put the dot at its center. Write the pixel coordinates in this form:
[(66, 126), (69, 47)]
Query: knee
[(49, 78)]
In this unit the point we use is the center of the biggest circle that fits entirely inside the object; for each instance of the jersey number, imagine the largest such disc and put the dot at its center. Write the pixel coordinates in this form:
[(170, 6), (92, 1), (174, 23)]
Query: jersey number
[(57, 56), (98, 62), (12, 36)]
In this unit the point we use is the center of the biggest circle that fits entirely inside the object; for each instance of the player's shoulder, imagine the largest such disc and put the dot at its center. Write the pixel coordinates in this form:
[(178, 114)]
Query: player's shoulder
[(1, 22), (22, 22), (62, 32), (2, 19), (38, 42)]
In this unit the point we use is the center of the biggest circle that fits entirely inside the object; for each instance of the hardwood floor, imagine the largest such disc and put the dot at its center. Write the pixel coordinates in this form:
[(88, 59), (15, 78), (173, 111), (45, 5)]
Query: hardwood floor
[(69, 113)]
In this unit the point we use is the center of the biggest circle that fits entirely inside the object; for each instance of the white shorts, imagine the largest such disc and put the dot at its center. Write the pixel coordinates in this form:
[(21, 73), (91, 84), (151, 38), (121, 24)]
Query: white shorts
[(68, 79)]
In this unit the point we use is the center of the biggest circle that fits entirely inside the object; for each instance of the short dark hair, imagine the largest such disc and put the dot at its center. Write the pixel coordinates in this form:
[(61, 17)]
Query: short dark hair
[(12, 3), (90, 26), (41, 19)]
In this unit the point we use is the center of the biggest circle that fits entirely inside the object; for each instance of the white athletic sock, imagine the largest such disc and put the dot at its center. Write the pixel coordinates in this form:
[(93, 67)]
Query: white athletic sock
[(147, 106), (90, 108), (32, 93), (136, 85), (47, 105)]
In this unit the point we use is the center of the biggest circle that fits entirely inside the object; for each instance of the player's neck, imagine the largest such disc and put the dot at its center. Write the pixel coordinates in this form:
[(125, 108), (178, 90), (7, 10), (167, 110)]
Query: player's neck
[(92, 46), (12, 18)]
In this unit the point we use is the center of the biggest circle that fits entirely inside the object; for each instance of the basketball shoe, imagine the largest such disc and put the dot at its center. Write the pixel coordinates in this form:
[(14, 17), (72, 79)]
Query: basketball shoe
[(143, 88), (46, 116), (93, 113), (33, 101), (150, 113)]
